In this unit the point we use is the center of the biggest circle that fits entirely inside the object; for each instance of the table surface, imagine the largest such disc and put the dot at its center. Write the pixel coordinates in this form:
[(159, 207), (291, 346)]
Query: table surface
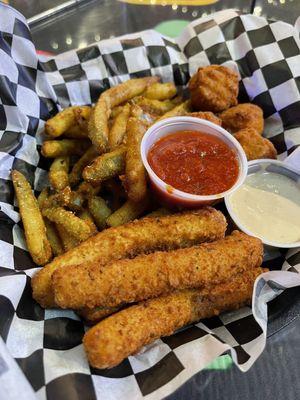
[(275, 374)]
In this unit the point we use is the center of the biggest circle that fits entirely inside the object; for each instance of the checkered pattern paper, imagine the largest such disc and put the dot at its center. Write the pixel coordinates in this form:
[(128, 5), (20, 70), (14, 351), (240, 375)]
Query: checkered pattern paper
[(47, 343)]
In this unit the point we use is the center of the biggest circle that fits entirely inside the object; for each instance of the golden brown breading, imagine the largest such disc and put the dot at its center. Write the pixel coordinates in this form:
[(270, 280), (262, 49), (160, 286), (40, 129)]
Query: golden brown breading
[(243, 116), (135, 172), (254, 145), (98, 122), (177, 111), (94, 315), (147, 276), (137, 237), (125, 332), (207, 115), (214, 88)]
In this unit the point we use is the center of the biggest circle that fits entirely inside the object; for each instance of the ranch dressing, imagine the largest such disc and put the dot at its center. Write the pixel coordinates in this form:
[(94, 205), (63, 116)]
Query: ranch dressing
[(268, 206)]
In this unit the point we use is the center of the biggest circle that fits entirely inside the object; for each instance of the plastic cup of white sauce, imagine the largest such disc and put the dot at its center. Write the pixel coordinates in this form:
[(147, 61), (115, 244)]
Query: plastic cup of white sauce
[(279, 182)]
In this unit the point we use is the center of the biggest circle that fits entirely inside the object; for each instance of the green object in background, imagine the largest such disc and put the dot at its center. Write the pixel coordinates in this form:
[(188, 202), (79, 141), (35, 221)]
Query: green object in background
[(221, 363), (171, 28)]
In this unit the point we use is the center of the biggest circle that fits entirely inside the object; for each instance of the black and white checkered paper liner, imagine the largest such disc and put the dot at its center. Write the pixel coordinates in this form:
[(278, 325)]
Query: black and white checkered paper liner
[(47, 343)]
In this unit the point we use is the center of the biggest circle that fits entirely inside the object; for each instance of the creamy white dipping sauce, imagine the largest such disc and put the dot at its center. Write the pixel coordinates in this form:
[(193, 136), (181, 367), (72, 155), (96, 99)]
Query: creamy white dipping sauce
[(268, 205)]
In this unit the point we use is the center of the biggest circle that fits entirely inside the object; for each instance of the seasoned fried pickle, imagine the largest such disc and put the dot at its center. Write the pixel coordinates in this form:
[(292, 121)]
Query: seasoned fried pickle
[(58, 173), (129, 211), (214, 88), (64, 147), (34, 226), (146, 276), (73, 225), (137, 237), (243, 116), (254, 145), (161, 91), (181, 109), (207, 115), (98, 122), (135, 173), (68, 241), (127, 331), (76, 173), (53, 237), (118, 130), (106, 166)]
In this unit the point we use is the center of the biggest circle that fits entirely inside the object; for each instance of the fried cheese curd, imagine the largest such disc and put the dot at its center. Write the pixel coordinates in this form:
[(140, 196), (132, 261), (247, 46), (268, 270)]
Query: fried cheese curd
[(243, 116), (255, 146), (214, 88)]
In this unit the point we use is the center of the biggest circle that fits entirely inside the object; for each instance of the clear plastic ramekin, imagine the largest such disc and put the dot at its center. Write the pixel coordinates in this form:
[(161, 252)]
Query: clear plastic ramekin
[(269, 166), (171, 196)]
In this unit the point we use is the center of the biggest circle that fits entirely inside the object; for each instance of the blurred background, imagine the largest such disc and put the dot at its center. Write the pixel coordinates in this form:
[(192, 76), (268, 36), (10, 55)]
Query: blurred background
[(59, 25)]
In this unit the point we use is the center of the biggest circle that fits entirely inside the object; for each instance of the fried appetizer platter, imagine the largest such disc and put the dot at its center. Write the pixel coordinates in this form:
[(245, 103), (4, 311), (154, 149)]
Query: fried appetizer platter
[(127, 241), (110, 252)]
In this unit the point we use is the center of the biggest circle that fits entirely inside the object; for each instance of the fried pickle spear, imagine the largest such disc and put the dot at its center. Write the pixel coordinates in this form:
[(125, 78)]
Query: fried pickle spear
[(214, 88), (73, 225), (53, 238), (135, 173), (155, 107), (137, 237), (42, 198), (160, 91), (34, 226), (123, 334), (64, 147), (76, 172), (87, 217), (129, 211), (87, 190), (68, 241), (61, 122), (181, 109), (58, 173), (118, 129), (243, 116), (75, 132), (99, 210), (98, 122), (106, 166), (255, 146), (82, 115), (59, 199), (146, 276)]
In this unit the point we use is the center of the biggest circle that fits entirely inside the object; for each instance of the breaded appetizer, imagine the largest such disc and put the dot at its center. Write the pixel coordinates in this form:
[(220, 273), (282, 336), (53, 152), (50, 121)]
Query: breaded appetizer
[(254, 145), (207, 115), (243, 116), (98, 130), (147, 276), (110, 341), (94, 315), (137, 237), (34, 226), (214, 88)]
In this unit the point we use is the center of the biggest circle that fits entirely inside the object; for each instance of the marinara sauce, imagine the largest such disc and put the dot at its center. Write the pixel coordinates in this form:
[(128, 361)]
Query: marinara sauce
[(194, 162)]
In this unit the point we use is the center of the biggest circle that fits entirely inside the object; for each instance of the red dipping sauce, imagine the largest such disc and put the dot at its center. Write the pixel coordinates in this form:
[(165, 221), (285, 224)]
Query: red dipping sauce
[(194, 162)]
